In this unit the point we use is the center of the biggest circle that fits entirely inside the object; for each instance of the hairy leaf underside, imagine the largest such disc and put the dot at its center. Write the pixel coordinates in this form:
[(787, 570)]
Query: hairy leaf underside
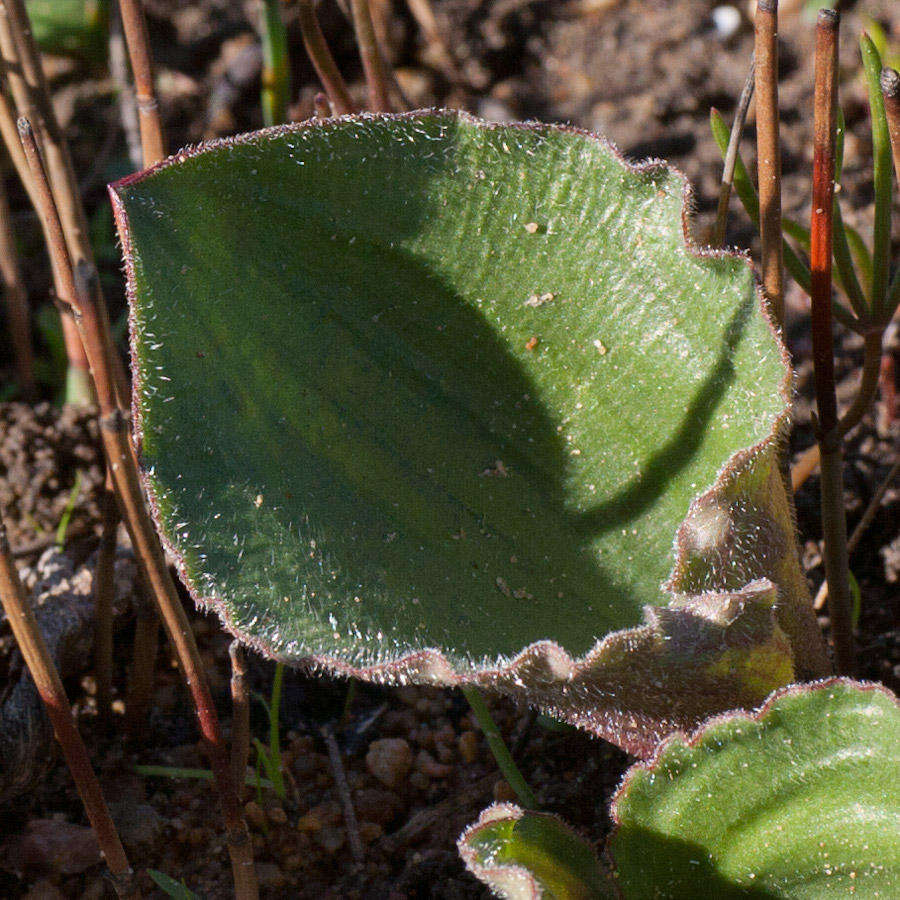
[(422, 398)]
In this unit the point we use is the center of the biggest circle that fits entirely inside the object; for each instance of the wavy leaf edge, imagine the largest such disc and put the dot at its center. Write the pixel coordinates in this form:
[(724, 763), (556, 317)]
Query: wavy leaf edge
[(430, 665), (697, 737)]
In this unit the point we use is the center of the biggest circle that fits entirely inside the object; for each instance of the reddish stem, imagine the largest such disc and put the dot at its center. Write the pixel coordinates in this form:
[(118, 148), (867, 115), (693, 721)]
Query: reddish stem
[(834, 524)]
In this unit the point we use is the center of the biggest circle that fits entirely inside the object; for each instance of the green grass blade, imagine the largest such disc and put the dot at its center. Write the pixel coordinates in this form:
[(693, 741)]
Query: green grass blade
[(176, 889), (66, 517), (845, 274), (881, 149), (275, 733), (197, 774), (861, 256), (276, 66), (743, 187)]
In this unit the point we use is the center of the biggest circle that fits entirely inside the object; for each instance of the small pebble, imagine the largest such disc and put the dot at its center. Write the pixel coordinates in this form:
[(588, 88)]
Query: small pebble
[(531, 227), (269, 875), (370, 831), (256, 818), (430, 767), (726, 21), (468, 746), (389, 760), (331, 839), (276, 815), (309, 823)]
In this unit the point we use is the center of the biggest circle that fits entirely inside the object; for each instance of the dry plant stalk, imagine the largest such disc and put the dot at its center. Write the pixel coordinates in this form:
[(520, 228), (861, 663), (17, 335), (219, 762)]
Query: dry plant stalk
[(734, 139), (40, 664), (370, 53), (152, 142), (32, 97), (240, 719), (322, 60), (152, 149), (143, 661), (82, 285), (104, 589), (351, 823), (423, 13), (25, 79), (768, 150), (829, 435), (16, 299), (10, 134)]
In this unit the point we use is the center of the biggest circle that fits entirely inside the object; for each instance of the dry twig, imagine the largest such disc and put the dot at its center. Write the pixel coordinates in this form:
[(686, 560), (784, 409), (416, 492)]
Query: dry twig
[(768, 150), (28, 636)]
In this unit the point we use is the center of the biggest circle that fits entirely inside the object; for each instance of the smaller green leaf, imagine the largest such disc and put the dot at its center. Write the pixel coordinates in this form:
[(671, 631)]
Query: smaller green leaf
[(800, 799), (523, 855), (177, 889)]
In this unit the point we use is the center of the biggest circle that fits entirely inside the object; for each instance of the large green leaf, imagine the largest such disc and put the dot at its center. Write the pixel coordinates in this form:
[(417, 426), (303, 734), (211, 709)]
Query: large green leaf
[(801, 799), (525, 855), (417, 394)]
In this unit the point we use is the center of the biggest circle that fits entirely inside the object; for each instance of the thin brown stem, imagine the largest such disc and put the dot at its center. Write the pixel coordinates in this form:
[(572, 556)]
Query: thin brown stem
[(734, 139), (139, 691), (890, 89), (351, 824), (104, 591), (11, 139), (868, 385), (32, 98), (118, 69), (240, 714), (153, 143), (87, 307), (439, 50), (372, 59), (15, 297), (834, 523), (322, 60), (806, 463), (867, 518), (27, 83), (40, 664), (768, 152)]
